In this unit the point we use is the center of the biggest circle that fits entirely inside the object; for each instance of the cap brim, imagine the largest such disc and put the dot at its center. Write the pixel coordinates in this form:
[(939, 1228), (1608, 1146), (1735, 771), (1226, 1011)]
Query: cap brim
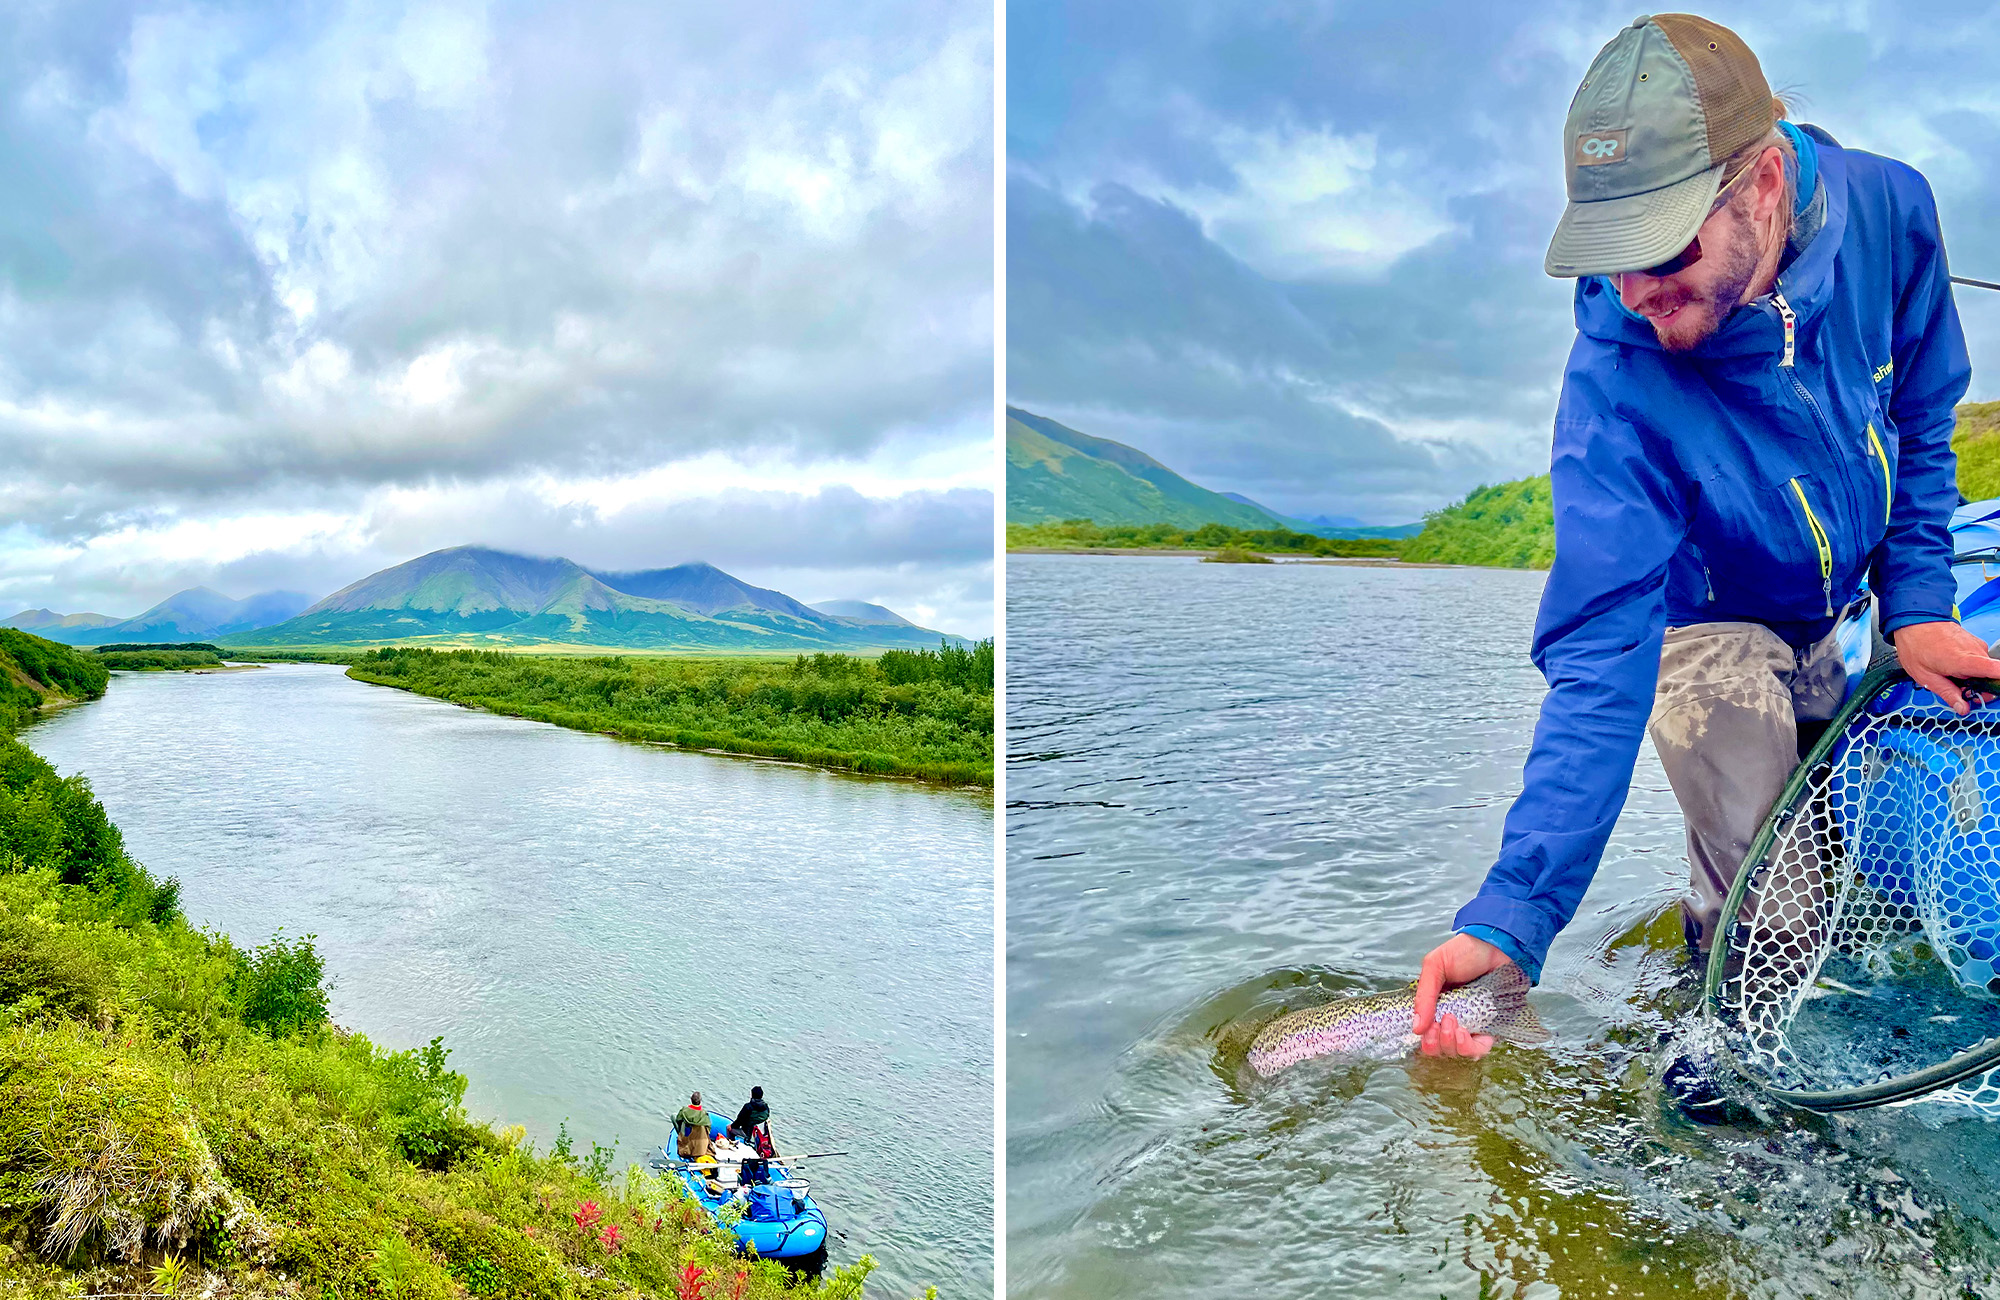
[(1606, 236)]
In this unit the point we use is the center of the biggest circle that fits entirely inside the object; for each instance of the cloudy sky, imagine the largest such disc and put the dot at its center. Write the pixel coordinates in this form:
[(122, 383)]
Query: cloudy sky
[(289, 293), (1294, 249)]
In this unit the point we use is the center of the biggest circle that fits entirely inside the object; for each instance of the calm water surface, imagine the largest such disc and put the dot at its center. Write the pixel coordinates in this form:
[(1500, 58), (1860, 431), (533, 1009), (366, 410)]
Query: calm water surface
[(596, 927), (1232, 789)]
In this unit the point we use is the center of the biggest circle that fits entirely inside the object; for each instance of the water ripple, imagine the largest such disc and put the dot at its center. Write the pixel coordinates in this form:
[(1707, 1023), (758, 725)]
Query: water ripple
[(1310, 768)]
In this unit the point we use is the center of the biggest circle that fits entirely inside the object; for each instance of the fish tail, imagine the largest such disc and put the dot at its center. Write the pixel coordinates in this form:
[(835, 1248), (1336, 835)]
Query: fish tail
[(1513, 1019)]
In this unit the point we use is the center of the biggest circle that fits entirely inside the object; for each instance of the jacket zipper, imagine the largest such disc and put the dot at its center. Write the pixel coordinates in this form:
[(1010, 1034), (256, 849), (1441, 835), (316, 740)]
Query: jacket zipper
[(1888, 491), (1820, 541), (1820, 536)]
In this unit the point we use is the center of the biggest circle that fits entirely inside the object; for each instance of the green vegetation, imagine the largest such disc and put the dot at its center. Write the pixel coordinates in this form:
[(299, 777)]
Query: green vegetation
[(1509, 526), (285, 655), (178, 1115), (1977, 442), (921, 713), (36, 674), (1054, 473), (201, 647), (157, 660), (1083, 535), (1236, 555)]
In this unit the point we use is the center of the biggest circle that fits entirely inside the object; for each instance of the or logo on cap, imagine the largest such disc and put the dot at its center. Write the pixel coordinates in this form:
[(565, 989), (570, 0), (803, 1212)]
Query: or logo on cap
[(1595, 148)]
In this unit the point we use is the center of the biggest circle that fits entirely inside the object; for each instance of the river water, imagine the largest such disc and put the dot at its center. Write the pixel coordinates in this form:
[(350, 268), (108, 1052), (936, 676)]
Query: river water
[(1235, 788), (598, 927)]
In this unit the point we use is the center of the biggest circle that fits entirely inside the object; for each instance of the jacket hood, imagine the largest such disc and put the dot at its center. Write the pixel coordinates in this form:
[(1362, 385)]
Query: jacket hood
[(1755, 329)]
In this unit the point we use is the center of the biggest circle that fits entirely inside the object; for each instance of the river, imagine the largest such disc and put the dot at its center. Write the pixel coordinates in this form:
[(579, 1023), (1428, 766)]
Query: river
[(1227, 782), (597, 927)]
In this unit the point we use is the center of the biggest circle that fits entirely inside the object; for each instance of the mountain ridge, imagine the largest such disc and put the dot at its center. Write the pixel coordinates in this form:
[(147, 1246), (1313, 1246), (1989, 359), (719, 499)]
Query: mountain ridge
[(482, 596)]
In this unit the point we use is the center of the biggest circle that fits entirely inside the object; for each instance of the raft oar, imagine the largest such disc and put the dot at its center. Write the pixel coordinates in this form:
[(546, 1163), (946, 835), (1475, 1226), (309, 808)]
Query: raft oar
[(1977, 284)]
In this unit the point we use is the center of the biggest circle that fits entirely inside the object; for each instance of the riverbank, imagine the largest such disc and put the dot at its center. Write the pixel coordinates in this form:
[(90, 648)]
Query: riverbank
[(178, 1115), (925, 714)]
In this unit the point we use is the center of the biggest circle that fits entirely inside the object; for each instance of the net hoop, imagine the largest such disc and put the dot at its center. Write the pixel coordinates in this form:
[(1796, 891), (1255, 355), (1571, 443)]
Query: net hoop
[(1980, 1058)]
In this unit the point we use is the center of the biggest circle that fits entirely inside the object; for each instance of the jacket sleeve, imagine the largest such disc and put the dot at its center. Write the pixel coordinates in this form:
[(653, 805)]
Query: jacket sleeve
[(1912, 567), (1619, 521)]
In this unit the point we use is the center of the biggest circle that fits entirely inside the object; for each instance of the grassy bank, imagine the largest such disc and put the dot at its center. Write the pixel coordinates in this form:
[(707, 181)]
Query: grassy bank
[(177, 1116), (926, 713), (1083, 535)]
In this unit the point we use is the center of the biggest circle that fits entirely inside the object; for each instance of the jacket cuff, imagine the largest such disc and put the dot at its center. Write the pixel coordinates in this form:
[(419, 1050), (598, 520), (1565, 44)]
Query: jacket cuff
[(1507, 944), (1528, 926), (1893, 623)]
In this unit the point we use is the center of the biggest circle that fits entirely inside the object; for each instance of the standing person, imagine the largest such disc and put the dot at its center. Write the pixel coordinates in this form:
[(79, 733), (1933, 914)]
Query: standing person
[(755, 1114), (1755, 417), (691, 1123)]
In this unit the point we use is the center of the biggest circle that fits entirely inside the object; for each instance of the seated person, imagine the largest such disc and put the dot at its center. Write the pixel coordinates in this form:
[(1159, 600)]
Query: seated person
[(691, 1124), (756, 1112)]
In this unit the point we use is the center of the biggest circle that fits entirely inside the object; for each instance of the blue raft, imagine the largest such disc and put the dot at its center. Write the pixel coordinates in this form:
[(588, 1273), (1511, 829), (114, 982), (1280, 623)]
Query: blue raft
[(778, 1217)]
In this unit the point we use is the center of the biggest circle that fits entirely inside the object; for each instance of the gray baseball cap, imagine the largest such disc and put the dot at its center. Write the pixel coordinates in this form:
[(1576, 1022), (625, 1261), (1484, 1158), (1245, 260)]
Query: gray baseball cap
[(1662, 109)]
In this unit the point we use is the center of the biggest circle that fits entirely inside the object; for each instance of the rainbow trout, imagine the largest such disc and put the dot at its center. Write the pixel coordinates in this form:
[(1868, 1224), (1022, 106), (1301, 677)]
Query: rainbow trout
[(1378, 1027)]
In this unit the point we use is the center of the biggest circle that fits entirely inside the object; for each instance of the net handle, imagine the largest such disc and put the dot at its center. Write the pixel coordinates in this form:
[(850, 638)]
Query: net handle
[(1886, 671)]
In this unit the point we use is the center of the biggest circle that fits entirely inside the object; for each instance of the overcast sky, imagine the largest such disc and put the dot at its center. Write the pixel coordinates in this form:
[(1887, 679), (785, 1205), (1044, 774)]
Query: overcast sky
[(290, 293), (1294, 250)]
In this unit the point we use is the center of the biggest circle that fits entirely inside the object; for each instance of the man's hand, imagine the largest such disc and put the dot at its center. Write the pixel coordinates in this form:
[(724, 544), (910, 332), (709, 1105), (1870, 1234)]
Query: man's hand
[(1460, 959), (1934, 653)]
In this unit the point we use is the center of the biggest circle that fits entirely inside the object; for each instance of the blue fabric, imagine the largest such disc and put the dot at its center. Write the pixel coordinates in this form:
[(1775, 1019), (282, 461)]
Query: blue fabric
[(1506, 943), (1676, 484), (1807, 150)]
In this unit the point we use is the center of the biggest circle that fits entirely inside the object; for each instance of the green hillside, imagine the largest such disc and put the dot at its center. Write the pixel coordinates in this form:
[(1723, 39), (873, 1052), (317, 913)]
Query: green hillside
[(1055, 473), (1508, 526), (1977, 442)]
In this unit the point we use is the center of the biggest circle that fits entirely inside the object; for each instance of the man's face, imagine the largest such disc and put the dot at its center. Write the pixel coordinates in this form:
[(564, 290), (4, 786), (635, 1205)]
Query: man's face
[(1689, 306)]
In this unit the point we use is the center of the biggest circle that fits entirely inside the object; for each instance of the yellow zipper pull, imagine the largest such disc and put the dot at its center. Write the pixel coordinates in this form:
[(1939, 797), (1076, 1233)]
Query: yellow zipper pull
[(1820, 541)]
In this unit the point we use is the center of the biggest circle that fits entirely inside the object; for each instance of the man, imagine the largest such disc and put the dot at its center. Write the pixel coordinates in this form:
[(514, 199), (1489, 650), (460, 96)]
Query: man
[(754, 1115), (691, 1123), (1755, 417)]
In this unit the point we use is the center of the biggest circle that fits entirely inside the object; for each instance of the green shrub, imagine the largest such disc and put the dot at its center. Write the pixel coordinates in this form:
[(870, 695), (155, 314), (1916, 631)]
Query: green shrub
[(282, 986), (41, 972)]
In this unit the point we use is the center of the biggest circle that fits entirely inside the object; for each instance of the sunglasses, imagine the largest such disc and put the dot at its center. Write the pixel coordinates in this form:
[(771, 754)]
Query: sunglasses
[(1688, 256)]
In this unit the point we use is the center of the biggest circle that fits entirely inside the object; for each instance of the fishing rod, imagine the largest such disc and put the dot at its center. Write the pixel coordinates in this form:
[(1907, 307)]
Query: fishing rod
[(769, 1160), (1977, 284)]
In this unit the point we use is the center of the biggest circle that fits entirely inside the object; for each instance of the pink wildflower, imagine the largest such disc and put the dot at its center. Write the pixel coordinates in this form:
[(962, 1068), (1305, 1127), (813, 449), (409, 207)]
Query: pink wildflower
[(690, 1285), (587, 1215), (611, 1238)]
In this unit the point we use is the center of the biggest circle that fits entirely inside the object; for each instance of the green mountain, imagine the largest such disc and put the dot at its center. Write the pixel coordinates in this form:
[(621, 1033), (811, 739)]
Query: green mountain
[(471, 595), (1055, 473), (192, 615)]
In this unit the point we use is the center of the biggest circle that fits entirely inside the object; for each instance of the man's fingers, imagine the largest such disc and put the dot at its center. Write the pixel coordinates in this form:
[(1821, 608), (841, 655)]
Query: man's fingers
[(1944, 688), (1430, 983)]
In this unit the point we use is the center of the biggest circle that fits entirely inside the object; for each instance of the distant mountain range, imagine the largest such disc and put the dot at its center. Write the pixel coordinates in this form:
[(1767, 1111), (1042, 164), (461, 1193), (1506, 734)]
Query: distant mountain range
[(1056, 473), (477, 596), (196, 614)]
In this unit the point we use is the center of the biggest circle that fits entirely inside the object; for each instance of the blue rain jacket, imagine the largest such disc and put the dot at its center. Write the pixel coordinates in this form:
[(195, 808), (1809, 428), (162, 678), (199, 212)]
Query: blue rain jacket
[(1757, 478)]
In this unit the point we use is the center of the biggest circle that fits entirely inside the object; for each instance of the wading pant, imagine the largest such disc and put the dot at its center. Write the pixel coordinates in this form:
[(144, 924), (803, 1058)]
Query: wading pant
[(693, 1144), (1726, 721)]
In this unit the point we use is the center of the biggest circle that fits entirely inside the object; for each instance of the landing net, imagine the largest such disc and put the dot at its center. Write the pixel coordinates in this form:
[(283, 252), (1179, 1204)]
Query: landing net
[(1858, 962)]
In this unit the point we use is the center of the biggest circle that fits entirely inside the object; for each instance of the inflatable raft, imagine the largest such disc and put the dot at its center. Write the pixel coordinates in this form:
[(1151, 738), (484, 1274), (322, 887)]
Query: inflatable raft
[(778, 1218)]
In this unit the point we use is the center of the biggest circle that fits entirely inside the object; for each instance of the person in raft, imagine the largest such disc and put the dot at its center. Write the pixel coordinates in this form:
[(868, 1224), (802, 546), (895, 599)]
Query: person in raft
[(691, 1124), (1755, 416), (755, 1114)]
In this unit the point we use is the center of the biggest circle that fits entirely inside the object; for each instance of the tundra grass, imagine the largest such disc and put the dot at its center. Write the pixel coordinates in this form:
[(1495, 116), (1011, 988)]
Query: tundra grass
[(926, 714)]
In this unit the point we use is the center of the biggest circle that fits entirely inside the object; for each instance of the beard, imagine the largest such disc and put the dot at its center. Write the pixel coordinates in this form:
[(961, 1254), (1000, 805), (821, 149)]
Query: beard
[(1700, 313)]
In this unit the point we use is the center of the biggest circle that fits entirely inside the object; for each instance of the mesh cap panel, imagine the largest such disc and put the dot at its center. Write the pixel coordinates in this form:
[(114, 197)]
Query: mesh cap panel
[(1736, 101)]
